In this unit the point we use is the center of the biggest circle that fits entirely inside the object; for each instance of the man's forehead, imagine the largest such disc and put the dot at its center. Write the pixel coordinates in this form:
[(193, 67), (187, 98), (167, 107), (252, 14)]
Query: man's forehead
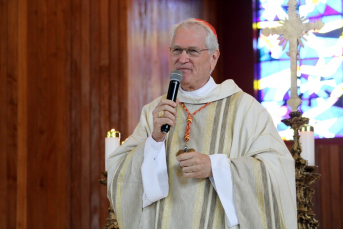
[(189, 37), (194, 31)]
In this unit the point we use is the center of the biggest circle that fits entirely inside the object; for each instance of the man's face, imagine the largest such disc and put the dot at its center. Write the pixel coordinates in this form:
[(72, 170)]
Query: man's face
[(196, 70)]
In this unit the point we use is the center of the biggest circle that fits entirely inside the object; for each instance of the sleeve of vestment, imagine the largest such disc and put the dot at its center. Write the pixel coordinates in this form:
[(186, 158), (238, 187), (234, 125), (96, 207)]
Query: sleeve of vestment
[(263, 171), (222, 183), (124, 177), (154, 172)]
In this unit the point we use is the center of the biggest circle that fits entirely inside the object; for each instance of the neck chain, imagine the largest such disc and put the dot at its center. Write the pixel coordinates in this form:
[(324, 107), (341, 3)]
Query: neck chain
[(189, 122)]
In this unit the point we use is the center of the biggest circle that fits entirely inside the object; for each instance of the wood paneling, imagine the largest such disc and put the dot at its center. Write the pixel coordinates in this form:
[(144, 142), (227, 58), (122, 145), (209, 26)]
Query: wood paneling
[(328, 190), (72, 69), (233, 21), (69, 71), (3, 112)]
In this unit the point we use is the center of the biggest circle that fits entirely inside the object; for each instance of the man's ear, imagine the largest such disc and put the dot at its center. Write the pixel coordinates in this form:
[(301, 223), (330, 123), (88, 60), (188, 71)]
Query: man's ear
[(214, 58)]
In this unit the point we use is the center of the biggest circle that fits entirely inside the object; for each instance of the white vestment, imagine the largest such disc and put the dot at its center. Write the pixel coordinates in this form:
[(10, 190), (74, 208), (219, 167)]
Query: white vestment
[(235, 125)]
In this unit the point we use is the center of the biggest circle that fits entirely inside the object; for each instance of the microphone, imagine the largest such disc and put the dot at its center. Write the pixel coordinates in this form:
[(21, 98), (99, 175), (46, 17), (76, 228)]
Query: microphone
[(175, 79)]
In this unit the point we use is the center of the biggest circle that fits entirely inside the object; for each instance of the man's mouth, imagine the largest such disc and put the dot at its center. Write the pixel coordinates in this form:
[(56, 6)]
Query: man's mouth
[(184, 69)]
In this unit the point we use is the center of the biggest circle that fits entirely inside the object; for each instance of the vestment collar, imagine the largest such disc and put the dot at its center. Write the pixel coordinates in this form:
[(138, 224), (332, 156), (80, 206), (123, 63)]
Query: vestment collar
[(220, 91), (204, 90)]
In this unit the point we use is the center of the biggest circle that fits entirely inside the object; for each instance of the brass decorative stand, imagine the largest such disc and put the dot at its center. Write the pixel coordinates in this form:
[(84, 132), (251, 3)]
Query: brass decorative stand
[(304, 176), (111, 220)]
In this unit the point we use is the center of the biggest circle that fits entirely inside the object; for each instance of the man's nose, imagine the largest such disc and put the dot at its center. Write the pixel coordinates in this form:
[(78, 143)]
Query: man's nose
[(184, 57)]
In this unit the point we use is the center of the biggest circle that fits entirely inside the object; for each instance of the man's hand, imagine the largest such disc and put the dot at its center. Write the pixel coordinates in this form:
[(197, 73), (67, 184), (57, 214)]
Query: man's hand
[(169, 117), (195, 165)]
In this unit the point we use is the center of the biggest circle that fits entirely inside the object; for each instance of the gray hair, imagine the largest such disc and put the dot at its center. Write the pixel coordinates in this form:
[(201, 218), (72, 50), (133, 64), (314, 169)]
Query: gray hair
[(211, 41)]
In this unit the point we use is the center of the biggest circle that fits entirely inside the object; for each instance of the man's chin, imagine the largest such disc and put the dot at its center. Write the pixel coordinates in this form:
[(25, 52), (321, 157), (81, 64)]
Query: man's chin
[(186, 75), (186, 72)]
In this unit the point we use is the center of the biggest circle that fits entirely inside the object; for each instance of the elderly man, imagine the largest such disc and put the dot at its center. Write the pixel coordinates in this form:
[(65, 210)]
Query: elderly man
[(237, 172)]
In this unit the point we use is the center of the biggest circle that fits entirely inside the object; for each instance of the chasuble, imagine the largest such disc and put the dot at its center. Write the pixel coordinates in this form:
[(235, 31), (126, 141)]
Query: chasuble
[(234, 124)]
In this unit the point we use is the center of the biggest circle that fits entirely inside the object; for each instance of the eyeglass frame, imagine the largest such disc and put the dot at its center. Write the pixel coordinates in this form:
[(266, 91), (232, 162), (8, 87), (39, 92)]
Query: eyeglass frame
[(187, 51)]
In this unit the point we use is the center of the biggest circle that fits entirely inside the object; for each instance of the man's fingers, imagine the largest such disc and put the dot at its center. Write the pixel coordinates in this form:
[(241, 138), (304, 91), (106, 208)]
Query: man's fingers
[(190, 169), (165, 108), (168, 108), (162, 121), (167, 102), (185, 156), (191, 175), (186, 163), (169, 115)]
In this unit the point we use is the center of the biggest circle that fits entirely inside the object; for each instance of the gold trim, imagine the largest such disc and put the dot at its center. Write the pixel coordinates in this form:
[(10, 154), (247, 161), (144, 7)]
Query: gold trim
[(307, 128), (219, 211), (168, 204), (147, 117), (220, 89), (141, 127), (252, 101), (113, 134), (161, 114), (295, 209), (261, 150), (282, 218), (200, 99), (199, 198), (120, 188), (229, 127), (191, 99), (259, 190), (117, 160), (135, 139), (278, 140), (124, 147)]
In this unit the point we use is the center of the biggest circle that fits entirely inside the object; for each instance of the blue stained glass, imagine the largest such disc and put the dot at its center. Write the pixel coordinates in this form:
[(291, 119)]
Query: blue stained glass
[(320, 70), (333, 112), (282, 126), (331, 18), (337, 128), (335, 4)]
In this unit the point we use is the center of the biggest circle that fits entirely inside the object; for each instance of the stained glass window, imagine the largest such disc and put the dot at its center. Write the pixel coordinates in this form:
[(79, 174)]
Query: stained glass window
[(320, 69)]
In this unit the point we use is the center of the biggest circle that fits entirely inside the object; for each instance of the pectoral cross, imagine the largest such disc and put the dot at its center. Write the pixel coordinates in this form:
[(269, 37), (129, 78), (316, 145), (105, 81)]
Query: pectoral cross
[(293, 30)]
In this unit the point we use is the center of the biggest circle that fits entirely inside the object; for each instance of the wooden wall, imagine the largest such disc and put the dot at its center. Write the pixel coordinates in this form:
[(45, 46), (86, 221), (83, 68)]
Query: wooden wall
[(69, 71), (328, 200), (72, 69)]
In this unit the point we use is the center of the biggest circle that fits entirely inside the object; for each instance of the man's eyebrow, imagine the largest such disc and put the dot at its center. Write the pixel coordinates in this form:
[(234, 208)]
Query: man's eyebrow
[(193, 47), (190, 47)]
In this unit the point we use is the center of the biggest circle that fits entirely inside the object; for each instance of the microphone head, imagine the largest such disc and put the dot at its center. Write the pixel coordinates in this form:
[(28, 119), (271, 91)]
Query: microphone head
[(176, 75)]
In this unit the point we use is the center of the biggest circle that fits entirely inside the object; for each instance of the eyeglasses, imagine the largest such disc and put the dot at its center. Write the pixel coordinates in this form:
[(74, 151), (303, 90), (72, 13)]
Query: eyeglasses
[(192, 52)]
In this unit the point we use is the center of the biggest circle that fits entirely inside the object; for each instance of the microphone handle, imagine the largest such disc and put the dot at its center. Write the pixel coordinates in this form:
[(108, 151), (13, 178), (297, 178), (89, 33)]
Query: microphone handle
[(172, 94)]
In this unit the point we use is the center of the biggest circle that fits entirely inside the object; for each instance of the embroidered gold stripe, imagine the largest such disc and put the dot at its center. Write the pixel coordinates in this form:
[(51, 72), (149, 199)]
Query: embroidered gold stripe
[(220, 89), (289, 189), (236, 155), (228, 134), (120, 188), (171, 170), (262, 150), (270, 135), (270, 167), (205, 148), (219, 212), (259, 191), (135, 139)]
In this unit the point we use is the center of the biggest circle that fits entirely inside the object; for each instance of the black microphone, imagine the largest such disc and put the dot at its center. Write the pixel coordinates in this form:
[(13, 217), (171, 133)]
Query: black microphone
[(175, 79)]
